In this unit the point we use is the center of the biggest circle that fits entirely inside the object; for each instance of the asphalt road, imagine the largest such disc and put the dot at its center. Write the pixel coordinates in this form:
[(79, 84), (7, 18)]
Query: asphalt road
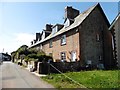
[(14, 76)]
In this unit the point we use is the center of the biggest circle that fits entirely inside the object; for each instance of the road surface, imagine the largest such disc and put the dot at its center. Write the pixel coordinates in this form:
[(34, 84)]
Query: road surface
[(14, 76)]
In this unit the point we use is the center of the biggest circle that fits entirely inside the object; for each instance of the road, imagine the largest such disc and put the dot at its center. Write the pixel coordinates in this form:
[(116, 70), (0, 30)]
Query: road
[(14, 76)]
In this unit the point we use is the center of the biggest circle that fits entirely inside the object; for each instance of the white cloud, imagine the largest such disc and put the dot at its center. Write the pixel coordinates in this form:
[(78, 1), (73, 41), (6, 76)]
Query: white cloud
[(24, 38), (13, 41)]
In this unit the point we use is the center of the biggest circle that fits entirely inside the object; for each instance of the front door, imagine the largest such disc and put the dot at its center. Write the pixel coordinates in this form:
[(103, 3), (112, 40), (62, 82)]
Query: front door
[(73, 56)]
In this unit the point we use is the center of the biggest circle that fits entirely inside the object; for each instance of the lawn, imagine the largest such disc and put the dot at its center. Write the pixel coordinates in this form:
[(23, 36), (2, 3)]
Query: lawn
[(89, 79)]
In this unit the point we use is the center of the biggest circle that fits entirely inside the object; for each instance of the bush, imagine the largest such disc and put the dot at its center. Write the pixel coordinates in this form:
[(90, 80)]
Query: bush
[(44, 58)]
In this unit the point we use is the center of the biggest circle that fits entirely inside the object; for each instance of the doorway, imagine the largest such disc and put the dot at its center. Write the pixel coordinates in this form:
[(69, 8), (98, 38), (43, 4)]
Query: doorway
[(73, 56)]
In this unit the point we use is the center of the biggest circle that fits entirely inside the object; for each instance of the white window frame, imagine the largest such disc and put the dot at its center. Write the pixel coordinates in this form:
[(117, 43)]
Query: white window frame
[(63, 40), (43, 36), (67, 23), (54, 30), (63, 56), (98, 37)]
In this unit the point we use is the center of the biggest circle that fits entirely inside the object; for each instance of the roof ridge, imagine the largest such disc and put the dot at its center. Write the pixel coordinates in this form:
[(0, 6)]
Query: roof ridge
[(114, 21), (88, 9), (91, 7), (78, 20)]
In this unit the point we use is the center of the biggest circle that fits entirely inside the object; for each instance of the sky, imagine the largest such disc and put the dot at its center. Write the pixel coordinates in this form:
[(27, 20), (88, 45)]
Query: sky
[(19, 21)]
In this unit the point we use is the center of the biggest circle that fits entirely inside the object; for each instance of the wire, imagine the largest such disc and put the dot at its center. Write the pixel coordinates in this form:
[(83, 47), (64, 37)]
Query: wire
[(68, 77)]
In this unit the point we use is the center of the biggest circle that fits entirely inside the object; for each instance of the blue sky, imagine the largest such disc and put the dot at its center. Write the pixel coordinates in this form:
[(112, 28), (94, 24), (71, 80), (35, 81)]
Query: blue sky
[(21, 20)]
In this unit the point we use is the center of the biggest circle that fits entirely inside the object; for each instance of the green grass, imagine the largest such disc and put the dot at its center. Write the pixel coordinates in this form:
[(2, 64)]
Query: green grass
[(90, 79)]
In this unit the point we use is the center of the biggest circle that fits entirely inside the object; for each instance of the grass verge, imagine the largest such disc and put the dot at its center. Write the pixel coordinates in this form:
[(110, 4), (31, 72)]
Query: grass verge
[(90, 79)]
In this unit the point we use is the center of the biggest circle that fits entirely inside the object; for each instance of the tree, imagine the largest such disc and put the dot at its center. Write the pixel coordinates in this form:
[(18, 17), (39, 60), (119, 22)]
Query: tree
[(13, 55), (24, 52)]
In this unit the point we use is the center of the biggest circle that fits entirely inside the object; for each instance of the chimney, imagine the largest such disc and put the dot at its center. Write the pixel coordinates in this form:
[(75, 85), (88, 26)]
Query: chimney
[(38, 36), (34, 41), (49, 27), (48, 30), (31, 42), (70, 12)]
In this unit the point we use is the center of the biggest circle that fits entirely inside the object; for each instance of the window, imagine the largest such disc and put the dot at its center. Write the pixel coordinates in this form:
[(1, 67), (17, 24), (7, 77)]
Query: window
[(63, 40), (67, 23), (50, 44), (41, 46), (63, 56), (98, 37), (100, 58), (43, 35), (54, 30)]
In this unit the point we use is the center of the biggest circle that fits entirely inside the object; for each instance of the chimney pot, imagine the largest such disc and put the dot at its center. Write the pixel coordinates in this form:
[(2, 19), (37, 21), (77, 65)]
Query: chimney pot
[(70, 12)]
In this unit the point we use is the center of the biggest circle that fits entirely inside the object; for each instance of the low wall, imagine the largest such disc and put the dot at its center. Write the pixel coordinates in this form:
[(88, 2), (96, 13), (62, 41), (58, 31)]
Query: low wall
[(45, 68)]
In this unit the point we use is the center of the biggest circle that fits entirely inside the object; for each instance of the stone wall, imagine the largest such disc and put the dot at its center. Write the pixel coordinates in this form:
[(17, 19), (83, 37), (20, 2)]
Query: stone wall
[(95, 51)]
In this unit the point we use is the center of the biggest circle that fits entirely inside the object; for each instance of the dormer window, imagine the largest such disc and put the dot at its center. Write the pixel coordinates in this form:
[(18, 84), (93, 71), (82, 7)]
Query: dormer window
[(55, 29), (67, 23), (43, 35)]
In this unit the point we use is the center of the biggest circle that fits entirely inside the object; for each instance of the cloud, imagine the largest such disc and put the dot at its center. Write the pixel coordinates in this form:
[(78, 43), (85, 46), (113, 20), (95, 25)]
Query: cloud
[(24, 38), (13, 41)]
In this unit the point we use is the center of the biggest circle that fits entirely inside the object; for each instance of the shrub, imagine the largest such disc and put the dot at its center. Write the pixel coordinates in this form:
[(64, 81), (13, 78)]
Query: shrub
[(44, 58), (32, 56)]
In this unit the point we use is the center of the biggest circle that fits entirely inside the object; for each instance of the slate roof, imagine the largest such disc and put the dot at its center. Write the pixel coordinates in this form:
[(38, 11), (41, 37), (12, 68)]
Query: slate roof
[(114, 21), (77, 21)]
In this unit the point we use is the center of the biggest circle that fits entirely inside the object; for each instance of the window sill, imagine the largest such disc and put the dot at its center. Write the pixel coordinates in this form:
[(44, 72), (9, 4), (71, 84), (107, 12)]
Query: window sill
[(63, 44)]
